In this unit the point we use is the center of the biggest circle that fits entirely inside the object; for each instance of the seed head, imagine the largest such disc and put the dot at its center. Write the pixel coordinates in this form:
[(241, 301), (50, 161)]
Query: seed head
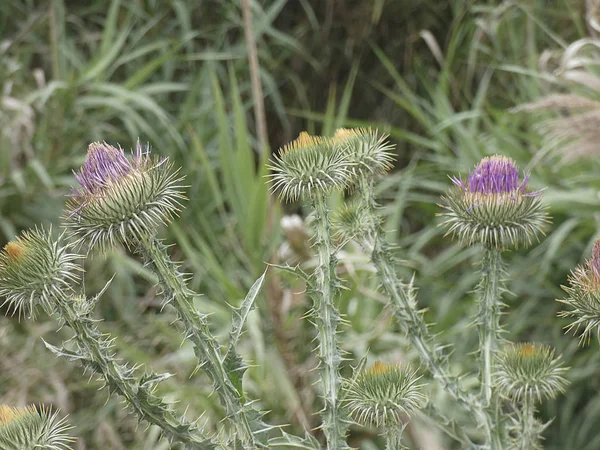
[(31, 428), (383, 395), (530, 371), (584, 297), (122, 199), (493, 207), (368, 150), (33, 268), (308, 166)]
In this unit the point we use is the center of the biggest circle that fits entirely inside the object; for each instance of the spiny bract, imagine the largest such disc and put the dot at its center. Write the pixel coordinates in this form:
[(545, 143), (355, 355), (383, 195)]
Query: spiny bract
[(308, 166), (122, 199), (383, 395), (368, 150), (30, 428), (33, 268), (584, 297), (493, 207), (526, 370)]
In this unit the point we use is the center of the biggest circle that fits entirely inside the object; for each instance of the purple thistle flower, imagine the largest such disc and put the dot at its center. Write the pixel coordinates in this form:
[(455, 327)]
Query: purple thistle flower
[(122, 198), (103, 166), (495, 175), (493, 206)]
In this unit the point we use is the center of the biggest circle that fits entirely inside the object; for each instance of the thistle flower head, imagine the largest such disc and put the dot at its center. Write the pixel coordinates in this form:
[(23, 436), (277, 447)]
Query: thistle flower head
[(530, 371), (368, 150), (33, 268), (121, 198), (308, 166), (31, 428), (351, 221), (383, 395), (584, 297), (493, 206)]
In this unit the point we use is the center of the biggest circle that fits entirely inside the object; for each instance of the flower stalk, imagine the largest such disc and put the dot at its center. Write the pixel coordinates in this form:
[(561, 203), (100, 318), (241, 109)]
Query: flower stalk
[(488, 326), (94, 351), (393, 438), (309, 168), (327, 318), (243, 417), (529, 435), (403, 302)]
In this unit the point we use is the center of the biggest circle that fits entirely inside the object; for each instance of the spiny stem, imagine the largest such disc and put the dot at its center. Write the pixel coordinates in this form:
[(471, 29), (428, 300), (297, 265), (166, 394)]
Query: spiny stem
[(489, 318), (206, 347), (327, 318), (407, 314), (94, 352), (488, 324), (529, 437), (405, 308), (393, 438)]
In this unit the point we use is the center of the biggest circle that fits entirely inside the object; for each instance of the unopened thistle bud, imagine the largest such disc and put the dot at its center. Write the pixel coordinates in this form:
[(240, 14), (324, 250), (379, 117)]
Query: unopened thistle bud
[(309, 165), (384, 395), (584, 297), (122, 199), (33, 268), (530, 372), (31, 428), (493, 206), (368, 150), (351, 221)]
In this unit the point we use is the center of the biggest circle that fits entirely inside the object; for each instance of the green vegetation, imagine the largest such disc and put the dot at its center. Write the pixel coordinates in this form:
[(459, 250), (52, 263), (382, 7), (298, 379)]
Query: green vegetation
[(451, 82)]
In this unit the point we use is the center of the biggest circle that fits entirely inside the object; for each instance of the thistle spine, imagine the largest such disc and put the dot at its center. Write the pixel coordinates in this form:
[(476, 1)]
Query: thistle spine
[(206, 346), (327, 318), (94, 353)]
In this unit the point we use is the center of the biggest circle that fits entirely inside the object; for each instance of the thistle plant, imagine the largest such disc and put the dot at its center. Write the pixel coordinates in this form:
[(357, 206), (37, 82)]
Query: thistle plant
[(361, 221), (32, 428), (383, 397), (49, 269), (494, 208), (122, 200), (309, 168), (583, 301), (526, 374)]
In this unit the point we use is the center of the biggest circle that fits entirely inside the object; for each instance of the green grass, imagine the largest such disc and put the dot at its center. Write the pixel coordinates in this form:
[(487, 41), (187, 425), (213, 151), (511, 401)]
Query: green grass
[(175, 74)]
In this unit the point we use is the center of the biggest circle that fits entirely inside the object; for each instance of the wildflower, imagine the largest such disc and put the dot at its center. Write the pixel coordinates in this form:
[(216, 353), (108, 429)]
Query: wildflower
[(309, 165), (369, 151), (33, 268), (31, 428), (493, 206), (120, 198), (529, 372), (584, 297), (383, 395)]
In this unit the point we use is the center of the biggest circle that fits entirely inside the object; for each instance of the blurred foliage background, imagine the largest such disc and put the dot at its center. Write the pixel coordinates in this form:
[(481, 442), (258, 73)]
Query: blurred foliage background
[(449, 81)]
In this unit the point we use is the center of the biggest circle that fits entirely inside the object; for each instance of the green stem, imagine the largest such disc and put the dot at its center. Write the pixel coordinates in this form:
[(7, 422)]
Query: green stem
[(488, 324), (393, 438), (529, 438), (403, 303), (95, 352), (409, 317), (326, 319), (206, 347)]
